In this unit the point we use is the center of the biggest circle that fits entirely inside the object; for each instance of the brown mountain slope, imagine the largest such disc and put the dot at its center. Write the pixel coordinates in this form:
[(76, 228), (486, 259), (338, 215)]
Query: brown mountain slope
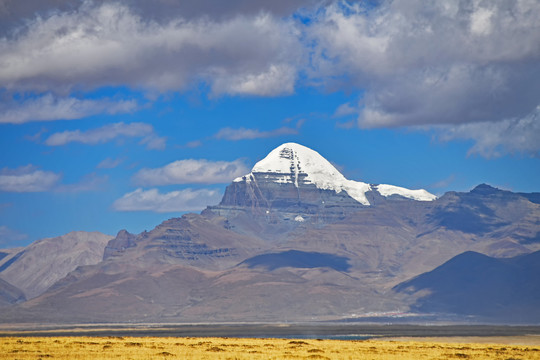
[(206, 267), (46, 261)]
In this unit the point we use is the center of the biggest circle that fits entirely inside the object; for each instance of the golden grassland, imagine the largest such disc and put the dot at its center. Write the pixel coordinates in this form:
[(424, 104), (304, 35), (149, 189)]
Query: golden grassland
[(86, 348)]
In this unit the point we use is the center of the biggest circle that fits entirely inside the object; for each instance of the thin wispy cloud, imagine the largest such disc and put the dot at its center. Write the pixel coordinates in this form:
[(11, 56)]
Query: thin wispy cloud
[(346, 110), (29, 178), (194, 144), (174, 201), (89, 182), (508, 136), (109, 163), (249, 134), (109, 133), (49, 108), (10, 236), (444, 183), (191, 171)]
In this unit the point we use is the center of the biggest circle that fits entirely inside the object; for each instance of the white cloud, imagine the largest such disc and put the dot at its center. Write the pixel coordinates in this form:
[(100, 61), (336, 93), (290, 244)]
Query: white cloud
[(432, 63), (27, 179), (493, 140), (243, 133), (277, 80), (174, 201), (108, 44), (415, 62), (481, 21), (108, 133), (192, 171), (49, 107)]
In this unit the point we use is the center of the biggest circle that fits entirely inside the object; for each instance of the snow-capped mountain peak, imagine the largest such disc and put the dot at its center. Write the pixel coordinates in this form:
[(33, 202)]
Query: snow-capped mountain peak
[(292, 158), (296, 163)]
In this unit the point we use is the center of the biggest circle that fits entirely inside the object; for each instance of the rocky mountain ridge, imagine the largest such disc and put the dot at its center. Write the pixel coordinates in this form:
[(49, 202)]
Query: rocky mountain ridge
[(36, 267), (288, 244)]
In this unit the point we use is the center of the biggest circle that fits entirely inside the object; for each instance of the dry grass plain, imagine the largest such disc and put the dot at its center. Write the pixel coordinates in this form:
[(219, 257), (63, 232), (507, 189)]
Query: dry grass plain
[(86, 348)]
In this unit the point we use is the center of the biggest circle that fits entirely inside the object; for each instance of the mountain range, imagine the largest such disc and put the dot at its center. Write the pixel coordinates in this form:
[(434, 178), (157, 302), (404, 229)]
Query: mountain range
[(294, 240)]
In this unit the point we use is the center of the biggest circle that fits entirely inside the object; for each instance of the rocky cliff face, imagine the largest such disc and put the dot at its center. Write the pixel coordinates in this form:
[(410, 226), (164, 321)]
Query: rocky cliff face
[(192, 240), (295, 186), (264, 196), (117, 246)]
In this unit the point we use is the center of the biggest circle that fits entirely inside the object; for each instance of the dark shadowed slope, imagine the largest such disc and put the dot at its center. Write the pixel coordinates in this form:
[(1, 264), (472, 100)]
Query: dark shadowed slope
[(10, 294), (476, 284), (298, 259)]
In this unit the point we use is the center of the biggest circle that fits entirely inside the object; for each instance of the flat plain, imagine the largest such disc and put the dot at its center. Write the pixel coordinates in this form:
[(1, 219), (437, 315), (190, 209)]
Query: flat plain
[(117, 347)]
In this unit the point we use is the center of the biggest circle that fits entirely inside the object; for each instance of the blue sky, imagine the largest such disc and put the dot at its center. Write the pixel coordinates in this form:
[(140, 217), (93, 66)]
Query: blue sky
[(120, 115)]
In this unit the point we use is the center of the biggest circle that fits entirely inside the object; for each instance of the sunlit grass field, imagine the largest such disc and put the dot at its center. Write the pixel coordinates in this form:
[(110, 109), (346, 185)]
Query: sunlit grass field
[(234, 348)]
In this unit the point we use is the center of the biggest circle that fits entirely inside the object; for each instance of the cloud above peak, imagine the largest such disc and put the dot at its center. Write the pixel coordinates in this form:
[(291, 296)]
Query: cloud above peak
[(191, 171), (249, 134)]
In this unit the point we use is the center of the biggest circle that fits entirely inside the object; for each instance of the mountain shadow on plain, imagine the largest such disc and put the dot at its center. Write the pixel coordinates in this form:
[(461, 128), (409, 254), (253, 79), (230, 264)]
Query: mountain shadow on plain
[(298, 259)]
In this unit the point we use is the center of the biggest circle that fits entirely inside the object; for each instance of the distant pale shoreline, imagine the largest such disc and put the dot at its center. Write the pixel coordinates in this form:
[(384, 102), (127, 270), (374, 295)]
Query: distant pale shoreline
[(502, 334)]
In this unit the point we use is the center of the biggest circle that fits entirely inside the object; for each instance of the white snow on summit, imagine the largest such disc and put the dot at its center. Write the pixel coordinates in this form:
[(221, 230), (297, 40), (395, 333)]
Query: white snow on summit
[(291, 159), (420, 195)]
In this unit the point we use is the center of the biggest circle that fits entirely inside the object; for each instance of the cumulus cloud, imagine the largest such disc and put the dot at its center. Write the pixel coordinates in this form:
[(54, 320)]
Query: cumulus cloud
[(109, 44), (416, 63), (108, 133), (433, 63), (174, 201), (192, 171), (27, 179), (49, 107), (243, 133)]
